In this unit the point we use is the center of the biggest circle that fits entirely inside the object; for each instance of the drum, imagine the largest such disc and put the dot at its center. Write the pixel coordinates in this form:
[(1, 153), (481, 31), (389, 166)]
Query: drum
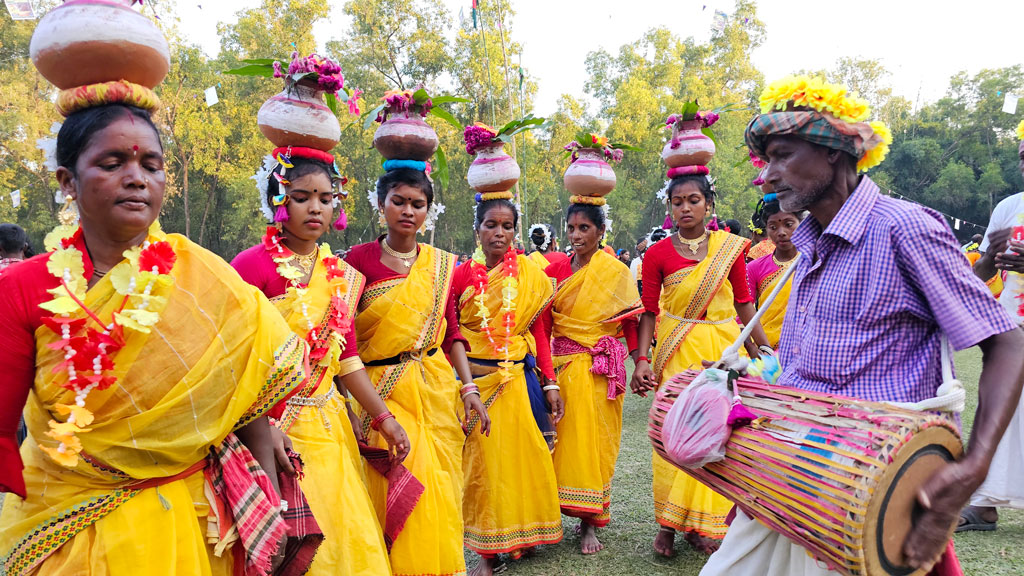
[(837, 475)]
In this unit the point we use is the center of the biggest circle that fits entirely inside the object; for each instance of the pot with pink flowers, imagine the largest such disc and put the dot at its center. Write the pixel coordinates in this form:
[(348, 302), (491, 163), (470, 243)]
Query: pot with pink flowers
[(492, 169), (304, 113), (589, 173), (403, 133), (690, 144)]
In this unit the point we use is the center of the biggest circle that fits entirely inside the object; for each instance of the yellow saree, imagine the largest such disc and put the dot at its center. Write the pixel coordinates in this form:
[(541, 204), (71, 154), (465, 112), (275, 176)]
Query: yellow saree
[(772, 319), (539, 259), (685, 337), (317, 422), (219, 357), (589, 305), (511, 496), (404, 317)]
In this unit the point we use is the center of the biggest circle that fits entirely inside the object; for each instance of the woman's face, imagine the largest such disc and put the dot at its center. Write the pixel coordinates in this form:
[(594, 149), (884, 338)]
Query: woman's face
[(780, 229), (119, 179), (584, 236), (310, 206), (688, 206), (405, 209), (497, 231)]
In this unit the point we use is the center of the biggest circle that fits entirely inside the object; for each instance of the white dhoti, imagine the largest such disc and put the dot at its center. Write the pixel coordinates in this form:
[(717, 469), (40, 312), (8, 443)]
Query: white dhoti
[(753, 548), (1004, 486)]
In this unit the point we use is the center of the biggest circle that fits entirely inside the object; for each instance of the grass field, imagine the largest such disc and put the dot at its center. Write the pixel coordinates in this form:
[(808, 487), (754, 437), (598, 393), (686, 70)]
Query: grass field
[(628, 538)]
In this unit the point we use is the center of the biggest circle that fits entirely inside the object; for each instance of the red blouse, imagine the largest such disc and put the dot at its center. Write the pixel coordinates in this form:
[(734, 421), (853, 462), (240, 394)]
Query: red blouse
[(366, 259), (555, 256), (23, 288), (561, 271), (257, 267), (463, 279), (663, 259)]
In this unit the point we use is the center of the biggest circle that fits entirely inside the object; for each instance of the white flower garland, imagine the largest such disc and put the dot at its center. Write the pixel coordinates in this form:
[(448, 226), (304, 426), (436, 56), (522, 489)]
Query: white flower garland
[(262, 178), (435, 211), (547, 234)]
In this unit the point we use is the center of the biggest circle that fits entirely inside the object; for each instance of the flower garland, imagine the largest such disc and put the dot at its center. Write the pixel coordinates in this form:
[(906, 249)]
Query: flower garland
[(545, 231), (507, 314), (833, 99), (339, 321), (1018, 235), (612, 150), (88, 350)]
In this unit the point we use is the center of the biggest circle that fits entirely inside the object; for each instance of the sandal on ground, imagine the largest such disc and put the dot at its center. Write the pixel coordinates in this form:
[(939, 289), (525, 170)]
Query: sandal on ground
[(971, 521)]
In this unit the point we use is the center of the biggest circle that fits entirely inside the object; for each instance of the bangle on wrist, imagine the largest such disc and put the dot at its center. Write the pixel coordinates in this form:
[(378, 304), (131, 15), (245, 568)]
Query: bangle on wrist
[(766, 350), (380, 419), (551, 387), (643, 359), (468, 389)]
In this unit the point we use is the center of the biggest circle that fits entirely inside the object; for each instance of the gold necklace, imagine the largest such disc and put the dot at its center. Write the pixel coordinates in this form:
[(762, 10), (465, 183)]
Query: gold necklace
[(405, 257), (693, 245), (780, 263), (306, 261)]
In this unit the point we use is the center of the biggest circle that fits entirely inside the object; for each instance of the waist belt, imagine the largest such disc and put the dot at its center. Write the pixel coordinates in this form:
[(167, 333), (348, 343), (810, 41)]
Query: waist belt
[(702, 322), (400, 358), (317, 402)]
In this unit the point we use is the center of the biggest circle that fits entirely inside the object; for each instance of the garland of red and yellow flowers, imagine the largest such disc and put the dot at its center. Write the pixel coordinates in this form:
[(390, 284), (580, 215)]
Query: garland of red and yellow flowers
[(339, 321), (507, 314), (88, 350)]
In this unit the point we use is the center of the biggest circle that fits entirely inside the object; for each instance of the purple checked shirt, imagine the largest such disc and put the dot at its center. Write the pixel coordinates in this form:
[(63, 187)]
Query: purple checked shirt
[(871, 296)]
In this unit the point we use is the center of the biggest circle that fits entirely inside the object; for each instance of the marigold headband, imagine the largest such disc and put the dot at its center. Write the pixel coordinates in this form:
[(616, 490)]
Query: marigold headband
[(821, 113), (116, 92)]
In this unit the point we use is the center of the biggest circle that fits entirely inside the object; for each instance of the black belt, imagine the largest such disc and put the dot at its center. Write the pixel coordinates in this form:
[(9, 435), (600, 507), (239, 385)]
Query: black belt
[(400, 358)]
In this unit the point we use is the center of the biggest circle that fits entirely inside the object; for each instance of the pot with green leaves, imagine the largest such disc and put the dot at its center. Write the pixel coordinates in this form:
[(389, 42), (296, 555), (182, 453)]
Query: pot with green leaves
[(298, 116), (403, 133), (492, 169), (82, 42), (689, 146), (590, 174)]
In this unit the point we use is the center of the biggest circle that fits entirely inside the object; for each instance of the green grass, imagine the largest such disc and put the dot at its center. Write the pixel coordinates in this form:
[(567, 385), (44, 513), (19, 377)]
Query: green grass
[(628, 538)]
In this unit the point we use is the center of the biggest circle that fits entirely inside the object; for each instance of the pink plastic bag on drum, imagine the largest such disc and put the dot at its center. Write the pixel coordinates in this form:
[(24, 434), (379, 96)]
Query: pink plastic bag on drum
[(696, 427)]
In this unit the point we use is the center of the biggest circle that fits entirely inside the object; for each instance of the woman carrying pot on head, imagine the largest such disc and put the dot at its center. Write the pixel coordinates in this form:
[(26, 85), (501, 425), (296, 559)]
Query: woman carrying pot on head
[(144, 365), (694, 286), (317, 294), (595, 302), (511, 496), (407, 328)]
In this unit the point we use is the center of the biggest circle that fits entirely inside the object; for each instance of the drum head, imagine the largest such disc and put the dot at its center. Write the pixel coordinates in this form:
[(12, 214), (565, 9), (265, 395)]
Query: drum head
[(893, 507)]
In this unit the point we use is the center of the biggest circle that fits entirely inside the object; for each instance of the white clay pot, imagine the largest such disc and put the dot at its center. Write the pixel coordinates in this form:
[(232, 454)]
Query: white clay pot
[(85, 42), (493, 170), (405, 137), (589, 175), (298, 117), (693, 148)]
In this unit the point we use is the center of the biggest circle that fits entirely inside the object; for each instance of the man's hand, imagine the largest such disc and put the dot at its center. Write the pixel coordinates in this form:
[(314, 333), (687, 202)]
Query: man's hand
[(1011, 260), (942, 498)]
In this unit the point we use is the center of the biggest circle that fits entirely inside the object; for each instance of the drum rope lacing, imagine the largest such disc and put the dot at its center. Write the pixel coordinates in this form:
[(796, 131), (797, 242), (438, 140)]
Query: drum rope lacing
[(950, 396)]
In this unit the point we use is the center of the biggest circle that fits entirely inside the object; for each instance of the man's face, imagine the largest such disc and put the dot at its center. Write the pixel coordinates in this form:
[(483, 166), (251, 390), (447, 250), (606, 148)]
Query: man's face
[(641, 246), (798, 171)]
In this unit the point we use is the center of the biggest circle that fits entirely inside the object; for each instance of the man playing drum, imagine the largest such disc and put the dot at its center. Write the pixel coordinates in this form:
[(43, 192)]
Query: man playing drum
[(879, 281)]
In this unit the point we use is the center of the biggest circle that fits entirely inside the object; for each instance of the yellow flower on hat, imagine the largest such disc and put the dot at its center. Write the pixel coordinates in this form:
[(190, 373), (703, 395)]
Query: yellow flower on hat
[(814, 93), (874, 156), (1020, 130)]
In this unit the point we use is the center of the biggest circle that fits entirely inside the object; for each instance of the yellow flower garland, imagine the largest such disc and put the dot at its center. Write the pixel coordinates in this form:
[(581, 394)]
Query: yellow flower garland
[(833, 99)]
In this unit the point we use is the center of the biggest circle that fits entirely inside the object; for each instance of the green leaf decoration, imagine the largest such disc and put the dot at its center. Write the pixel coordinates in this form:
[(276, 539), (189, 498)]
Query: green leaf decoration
[(262, 61), (445, 99), (420, 96), (332, 102), (446, 116), (371, 116), (441, 168), (707, 132), (252, 70)]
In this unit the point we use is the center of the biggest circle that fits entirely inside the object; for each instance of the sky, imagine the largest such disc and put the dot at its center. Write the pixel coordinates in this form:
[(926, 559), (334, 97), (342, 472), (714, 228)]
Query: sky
[(921, 43)]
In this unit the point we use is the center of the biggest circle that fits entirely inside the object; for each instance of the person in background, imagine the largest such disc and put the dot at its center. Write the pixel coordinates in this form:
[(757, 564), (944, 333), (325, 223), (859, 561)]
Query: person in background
[(733, 226), (14, 246), (463, 258), (545, 246), (623, 256)]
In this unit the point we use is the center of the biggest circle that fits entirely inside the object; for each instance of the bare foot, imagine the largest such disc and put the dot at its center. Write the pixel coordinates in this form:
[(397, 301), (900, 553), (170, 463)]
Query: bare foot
[(664, 542), (485, 567), (589, 544), (702, 543)]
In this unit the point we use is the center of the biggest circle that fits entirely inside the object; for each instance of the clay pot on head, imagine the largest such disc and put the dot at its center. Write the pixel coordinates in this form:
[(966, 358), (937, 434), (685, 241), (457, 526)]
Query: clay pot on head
[(493, 170), (403, 137), (589, 175), (298, 117), (692, 147), (85, 42)]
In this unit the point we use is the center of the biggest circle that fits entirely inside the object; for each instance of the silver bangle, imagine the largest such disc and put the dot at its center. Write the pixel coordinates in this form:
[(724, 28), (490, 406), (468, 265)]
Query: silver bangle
[(551, 387), (766, 350), (470, 393)]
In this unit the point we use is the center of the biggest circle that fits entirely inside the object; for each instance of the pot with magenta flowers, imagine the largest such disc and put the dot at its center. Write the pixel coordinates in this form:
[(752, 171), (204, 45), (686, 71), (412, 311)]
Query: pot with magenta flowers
[(589, 173), (493, 170)]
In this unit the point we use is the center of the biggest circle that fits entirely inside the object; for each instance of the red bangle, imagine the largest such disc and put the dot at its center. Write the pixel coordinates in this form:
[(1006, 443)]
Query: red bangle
[(644, 358), (376, 422)]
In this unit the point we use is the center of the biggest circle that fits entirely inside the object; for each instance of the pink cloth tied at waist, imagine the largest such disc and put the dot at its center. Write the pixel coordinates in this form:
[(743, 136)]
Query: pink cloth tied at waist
[(609, 359)]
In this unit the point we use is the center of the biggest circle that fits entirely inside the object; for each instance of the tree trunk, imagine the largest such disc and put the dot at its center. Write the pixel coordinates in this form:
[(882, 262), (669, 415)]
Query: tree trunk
[(209, 195), (184, 192)]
